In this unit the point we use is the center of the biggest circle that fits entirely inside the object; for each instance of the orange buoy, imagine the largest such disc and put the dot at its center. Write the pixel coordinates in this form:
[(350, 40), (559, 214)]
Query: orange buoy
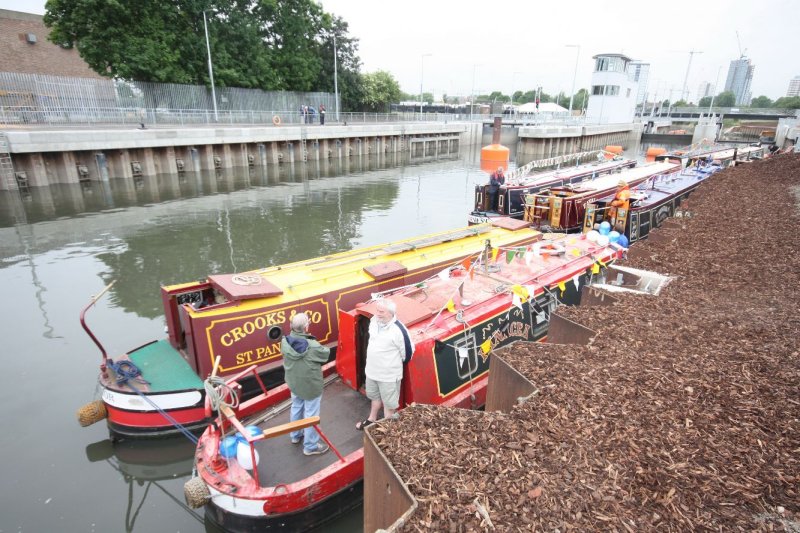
[(654, 151), (495, 155), (612, 150)]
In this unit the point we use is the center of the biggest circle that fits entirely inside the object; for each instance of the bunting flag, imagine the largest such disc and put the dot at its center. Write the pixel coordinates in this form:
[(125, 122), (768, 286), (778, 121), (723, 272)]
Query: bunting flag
[(575, 252), (577, 281), (531, 291), (528, 258), (601, 262), (516, 301), (444, 275), (472, 273), (510, 256), (486, 346), (520, 291), (466, 263), (595, 268), (451, 306), (461, 290), (495, 251), (562, 287)]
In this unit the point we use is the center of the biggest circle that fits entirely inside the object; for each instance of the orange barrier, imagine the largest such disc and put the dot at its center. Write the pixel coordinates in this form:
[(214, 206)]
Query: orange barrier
[(612, 150)]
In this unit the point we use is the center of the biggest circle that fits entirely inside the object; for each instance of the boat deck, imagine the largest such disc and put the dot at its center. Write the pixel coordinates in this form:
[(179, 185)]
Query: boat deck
[(284, 462), (164, 368)]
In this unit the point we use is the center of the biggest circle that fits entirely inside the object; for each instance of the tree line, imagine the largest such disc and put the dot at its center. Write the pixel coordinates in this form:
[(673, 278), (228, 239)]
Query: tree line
[(728, 99)]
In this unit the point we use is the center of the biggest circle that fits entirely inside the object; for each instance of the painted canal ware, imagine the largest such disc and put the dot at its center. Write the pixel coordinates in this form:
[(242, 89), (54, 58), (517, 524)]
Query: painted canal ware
[(651, 203), (455, 318), (511, 196), (240, 319), (564, 208)]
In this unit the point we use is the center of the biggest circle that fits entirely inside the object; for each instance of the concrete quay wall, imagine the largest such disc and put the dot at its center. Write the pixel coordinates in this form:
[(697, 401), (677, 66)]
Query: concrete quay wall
[(45, 157), (542, 142)]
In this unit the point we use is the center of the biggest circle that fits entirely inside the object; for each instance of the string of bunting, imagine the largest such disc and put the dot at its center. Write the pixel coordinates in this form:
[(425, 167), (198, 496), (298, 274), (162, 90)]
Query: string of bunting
[(549, 162)]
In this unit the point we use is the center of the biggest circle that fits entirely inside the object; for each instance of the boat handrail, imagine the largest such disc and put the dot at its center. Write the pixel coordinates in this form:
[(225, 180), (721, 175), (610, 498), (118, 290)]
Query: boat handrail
[(92, 301)]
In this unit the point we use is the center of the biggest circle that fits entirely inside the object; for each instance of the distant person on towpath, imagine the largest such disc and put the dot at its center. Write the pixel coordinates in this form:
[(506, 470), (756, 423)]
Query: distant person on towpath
[(321, 114)]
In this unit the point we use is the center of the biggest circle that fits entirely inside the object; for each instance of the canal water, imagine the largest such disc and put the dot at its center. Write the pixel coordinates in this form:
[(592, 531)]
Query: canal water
[(60, 245)]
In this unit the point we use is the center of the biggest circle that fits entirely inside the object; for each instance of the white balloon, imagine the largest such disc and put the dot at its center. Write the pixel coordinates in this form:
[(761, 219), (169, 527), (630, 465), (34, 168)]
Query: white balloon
[(602, 240), (244, 457), (592, 235)]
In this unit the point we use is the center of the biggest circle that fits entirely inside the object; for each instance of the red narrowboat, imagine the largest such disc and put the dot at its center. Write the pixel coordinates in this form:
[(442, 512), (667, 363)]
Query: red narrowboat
[(455, 318), (158, 389)]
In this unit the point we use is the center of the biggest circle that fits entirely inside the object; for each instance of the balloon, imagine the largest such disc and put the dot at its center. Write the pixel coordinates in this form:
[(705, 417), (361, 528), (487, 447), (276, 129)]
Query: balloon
[(254, 431), (592, 235), (243, 456), (602, 240), (613, 236), (227, 448), (605, 228)]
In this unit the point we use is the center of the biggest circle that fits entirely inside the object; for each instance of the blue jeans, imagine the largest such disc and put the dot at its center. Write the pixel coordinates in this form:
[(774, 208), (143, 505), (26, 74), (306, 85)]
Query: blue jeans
[(304, 409)]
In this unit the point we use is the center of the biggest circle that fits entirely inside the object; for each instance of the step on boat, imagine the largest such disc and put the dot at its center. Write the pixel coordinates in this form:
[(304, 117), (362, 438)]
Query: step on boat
[(522, 181), (455, 318), (563, 208), (650, 203), (158, 389)]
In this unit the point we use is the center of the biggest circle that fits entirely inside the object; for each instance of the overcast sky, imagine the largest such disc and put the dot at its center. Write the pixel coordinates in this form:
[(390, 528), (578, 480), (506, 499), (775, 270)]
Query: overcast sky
[(518, 45)]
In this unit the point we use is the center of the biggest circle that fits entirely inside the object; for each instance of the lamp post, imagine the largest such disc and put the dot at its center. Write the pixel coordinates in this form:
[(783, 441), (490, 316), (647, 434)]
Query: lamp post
[(210, 70), (574, 75), (335, 78), (472, 97), (421, 72)]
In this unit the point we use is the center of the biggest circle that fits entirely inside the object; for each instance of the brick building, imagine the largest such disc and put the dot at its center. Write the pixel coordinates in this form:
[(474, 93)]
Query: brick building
[(24, 48)]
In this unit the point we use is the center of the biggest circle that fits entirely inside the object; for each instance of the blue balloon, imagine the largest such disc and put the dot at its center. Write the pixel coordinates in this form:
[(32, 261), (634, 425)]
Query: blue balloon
[(623, 241), (613, 236), (605, 228), (254, 431), (227, 448)]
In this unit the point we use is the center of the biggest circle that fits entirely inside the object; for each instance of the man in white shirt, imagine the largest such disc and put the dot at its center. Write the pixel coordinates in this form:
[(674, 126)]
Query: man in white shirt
[(389, 347)]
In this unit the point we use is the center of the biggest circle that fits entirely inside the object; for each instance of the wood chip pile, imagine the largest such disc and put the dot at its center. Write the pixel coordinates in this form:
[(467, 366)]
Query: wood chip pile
[(682, 414)]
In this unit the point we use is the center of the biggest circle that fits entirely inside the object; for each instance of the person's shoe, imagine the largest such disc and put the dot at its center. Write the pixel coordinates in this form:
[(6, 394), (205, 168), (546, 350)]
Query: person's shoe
[(319, 450), (297, 440)]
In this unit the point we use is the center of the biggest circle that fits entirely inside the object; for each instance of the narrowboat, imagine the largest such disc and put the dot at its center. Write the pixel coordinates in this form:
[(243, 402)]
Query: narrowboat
[(721, 155), (158, 389), (650, 203), (456, 318), (519, 182), (564, 208)]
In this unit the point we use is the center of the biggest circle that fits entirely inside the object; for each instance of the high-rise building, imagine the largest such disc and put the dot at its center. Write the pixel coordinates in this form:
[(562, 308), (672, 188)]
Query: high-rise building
[(794, 87), (639, 73), (740, 76), (705, 89)]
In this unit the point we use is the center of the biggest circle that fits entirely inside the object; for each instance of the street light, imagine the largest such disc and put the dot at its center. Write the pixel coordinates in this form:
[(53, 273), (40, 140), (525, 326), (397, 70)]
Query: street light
[(421, 72), (472, 97), (574, 75), (210, 69), (513, 84), (335, 78)]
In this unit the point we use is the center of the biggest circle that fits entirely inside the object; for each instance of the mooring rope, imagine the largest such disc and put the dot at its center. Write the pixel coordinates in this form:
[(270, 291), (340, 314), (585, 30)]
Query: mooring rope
[(126, 372), (218, 392)]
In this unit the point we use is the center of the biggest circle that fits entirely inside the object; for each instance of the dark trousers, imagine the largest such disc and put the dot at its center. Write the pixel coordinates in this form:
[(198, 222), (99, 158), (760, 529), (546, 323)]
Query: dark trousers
[(322, 119), (492, 201)]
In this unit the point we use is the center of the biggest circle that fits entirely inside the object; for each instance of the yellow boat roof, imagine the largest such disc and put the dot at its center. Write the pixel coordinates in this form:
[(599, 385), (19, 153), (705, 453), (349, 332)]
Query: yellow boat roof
[(305, 279)]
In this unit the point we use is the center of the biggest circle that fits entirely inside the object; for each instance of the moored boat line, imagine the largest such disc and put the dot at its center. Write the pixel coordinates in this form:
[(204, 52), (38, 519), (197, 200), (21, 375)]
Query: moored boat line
[(456, 318), (239, 318)]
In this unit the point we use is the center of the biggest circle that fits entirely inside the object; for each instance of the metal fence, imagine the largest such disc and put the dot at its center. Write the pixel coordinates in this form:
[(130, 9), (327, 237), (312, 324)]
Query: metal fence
[(42, 99)]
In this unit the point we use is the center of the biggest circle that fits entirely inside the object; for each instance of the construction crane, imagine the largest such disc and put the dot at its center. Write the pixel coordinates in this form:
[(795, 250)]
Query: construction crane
[(742, 55)]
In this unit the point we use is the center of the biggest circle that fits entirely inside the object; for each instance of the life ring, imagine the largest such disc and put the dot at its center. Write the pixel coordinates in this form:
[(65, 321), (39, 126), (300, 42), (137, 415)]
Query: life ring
[(552, 249), (276, 120)]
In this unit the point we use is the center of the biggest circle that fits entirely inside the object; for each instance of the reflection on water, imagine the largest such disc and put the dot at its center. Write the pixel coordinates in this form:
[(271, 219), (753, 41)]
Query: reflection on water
[(62, 244)]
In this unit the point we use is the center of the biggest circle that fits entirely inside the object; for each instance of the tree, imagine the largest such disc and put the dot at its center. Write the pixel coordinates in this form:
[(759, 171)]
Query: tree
[(704, 101), (266, 44), (725, 99), (579, 100), (787, 102), (682, 103), (761, 101), (380, 90)]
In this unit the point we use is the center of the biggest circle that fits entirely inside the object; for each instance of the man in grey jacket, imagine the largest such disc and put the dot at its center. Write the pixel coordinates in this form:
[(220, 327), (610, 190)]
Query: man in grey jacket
[(303, 357)]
